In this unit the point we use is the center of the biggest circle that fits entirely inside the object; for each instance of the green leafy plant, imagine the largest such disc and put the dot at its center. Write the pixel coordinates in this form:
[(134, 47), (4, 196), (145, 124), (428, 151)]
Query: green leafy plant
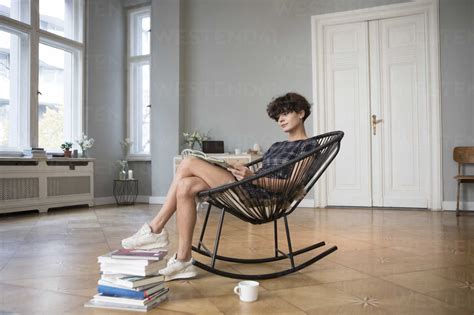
[(66, 146)]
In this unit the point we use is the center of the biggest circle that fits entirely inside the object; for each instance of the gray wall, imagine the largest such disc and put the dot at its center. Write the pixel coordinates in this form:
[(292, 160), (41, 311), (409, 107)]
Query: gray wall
[(165, 92), (106, 99), (457, 67), (104, 87), (237, 55), (215, 66), (142, 172), (234, 57)]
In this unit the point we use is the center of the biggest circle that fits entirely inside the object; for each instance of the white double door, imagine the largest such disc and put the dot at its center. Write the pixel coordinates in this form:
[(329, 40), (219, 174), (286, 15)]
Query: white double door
[(376, 92)]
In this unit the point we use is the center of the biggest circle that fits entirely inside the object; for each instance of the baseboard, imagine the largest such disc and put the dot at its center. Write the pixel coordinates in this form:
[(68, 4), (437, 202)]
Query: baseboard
[(143, 199), (104, 201), (111, 200), (451, 205), (307, 203), (157, 200)]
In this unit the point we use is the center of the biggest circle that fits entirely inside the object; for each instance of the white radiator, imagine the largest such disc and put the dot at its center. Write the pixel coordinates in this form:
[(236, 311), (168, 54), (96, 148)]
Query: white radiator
[(39, 184)]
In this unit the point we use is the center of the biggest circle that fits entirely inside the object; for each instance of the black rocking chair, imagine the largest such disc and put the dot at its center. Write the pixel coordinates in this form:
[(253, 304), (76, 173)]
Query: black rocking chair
[(305, 170)]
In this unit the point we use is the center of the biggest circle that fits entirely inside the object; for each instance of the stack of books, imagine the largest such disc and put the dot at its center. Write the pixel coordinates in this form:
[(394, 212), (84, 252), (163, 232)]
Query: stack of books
[(37, 153), (130, 280)]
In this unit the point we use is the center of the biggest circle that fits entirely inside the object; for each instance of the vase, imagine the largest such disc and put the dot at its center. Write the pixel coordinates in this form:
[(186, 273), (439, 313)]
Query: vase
[(67, 153), (122, 175), (84, 153), (192, 145)]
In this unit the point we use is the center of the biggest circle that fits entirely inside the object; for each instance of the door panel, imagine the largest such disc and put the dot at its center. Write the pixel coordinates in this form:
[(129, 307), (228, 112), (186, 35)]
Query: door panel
[(402, 108), (347, 100), (384, 169)]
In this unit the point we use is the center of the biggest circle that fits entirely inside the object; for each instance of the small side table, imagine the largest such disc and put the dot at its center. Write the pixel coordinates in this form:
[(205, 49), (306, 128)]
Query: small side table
[(125, 191)]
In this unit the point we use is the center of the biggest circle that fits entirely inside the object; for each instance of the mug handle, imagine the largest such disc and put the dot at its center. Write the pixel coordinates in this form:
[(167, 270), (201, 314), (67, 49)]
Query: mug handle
[(237, 290)]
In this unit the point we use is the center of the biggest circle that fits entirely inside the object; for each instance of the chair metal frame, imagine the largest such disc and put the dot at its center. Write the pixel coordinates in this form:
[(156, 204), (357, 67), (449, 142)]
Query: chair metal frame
[(327, 151)]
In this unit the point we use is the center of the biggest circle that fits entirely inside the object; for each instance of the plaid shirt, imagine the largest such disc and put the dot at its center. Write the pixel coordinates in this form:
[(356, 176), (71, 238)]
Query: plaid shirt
[(282, 152), (278, 154)]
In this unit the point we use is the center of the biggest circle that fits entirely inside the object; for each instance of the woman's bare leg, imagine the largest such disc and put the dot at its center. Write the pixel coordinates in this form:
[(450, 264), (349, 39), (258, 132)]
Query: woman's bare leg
[(186, 214), (168, 208), (190, 167)]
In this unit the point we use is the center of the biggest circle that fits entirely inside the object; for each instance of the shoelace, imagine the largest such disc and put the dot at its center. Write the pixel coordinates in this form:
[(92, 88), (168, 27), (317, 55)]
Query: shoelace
[(142, 232), (173, 261)]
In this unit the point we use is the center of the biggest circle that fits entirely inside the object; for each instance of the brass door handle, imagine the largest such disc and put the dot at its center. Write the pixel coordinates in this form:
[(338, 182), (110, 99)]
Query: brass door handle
[(374, 124)]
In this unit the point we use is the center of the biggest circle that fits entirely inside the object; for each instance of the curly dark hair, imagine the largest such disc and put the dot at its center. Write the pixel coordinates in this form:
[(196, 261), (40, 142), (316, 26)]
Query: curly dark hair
[(290, 102)]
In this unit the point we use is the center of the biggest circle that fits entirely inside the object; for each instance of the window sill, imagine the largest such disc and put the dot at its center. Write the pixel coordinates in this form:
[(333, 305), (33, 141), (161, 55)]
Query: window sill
[(139, 158)]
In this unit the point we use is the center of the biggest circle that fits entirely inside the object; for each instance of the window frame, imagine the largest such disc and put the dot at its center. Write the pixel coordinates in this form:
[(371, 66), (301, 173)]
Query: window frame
[(39, 36), (133, 60), (25, 14), (75, 116), (23, 111)]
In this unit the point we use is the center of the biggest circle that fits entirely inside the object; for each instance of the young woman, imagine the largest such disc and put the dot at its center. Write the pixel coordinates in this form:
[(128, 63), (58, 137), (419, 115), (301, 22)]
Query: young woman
[(194, 175)]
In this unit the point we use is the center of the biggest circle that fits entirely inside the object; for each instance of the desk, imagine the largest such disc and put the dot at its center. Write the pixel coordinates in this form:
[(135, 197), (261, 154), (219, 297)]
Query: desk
[(243, 158), (125, 191)]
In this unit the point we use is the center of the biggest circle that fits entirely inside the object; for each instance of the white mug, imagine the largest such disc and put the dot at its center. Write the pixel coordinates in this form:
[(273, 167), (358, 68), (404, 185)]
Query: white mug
[(238, 151), (247, 291)]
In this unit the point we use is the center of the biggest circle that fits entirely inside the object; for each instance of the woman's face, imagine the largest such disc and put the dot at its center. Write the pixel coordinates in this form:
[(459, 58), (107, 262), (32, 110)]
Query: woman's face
[(291, 120)]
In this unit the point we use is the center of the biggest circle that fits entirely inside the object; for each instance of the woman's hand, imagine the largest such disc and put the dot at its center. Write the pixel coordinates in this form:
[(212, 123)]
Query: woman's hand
[(240, 171)]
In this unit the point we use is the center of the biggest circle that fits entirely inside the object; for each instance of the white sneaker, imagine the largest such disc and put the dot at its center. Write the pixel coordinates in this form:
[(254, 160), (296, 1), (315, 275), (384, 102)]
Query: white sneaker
[(176, 269), (146, 239)]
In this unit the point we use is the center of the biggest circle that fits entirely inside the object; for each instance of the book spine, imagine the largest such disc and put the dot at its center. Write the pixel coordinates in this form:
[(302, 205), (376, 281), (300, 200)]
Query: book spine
[(157, 301), (111, 291), (134, 282), (127, 262), (133, 271), (118, 285), (137, 257)]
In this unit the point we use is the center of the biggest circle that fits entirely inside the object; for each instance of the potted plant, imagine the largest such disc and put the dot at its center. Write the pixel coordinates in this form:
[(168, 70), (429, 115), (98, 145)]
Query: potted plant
[(66, 146), (193, 138), (123, 164)]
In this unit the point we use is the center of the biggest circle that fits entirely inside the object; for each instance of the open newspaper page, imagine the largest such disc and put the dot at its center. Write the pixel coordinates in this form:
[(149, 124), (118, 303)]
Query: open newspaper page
[(205, 157)]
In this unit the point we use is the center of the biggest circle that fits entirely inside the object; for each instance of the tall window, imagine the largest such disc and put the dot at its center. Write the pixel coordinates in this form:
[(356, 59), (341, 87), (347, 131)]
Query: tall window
[(41, 60), (14, 88), (138, 54)]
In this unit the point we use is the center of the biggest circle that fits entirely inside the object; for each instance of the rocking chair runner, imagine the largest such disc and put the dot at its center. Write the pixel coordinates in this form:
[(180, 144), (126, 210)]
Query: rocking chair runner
[(301, 175)]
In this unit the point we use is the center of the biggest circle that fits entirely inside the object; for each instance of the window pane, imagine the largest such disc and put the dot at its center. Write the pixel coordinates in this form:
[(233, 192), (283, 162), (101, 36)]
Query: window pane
[(145, 110), (140, 108), (140, 29), (62, 17), (145, 35), (14, 91), (55, 98), (16, 9)]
